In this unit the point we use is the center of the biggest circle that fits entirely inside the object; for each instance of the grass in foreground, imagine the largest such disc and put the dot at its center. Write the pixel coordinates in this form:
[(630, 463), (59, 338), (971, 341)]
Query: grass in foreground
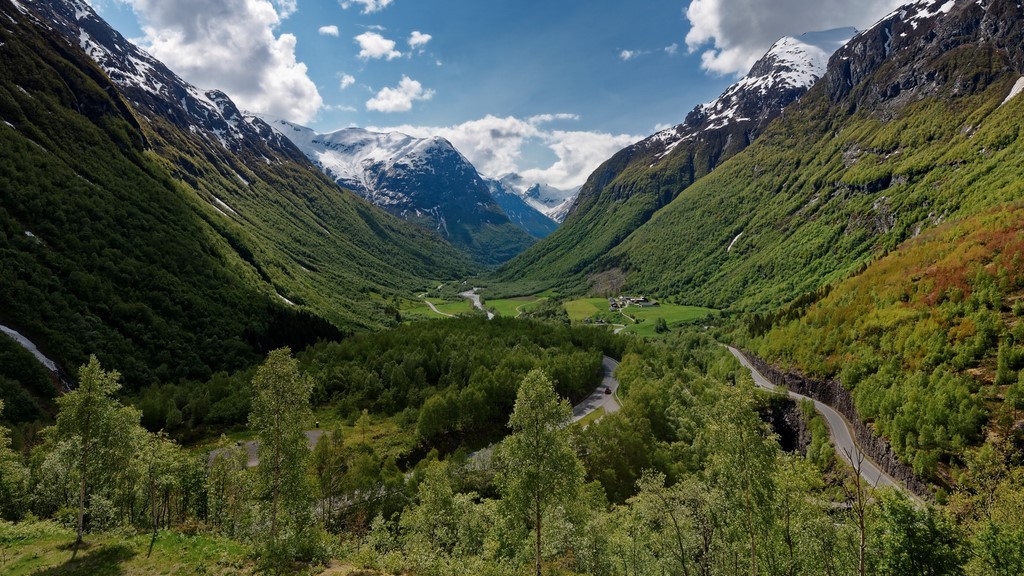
[(45, 548)]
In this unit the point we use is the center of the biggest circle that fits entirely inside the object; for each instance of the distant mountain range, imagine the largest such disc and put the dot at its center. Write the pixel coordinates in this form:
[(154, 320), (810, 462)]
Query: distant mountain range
[(423, 180)]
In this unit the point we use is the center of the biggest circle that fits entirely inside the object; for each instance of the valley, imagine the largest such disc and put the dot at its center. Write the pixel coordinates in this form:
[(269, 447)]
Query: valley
[(781, 336)]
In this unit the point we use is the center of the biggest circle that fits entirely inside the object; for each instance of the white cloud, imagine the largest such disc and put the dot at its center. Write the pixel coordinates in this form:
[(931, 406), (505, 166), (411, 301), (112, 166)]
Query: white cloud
[(733, 34), (369, 6), (373, 45), (232, 45), (286, 8), (671, 49), (627, 55), (418, 39), (399, 98), (329, 31), (346, 80), (495, 146)]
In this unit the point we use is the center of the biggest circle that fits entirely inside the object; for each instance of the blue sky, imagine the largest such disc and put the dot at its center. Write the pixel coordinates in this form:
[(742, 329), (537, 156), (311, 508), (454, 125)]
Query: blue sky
[(545, 88)]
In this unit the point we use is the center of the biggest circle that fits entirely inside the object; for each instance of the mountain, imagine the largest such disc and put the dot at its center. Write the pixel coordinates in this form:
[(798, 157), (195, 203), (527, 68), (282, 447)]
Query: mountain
[(152, 224), (422, 180), (916, 121), (548, 200), (522, 214), (625, 191)]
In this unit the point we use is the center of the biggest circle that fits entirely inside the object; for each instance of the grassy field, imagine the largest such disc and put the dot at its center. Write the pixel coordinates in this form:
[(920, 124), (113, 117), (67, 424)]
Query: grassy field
[(414, 310), (672, 313), (638, 320), (583, 308), (45, 548), (511, 307)]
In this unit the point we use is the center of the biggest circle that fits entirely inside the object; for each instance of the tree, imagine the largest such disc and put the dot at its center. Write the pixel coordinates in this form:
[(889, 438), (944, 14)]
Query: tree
[(13, 478), (99, 426), (280, 412), (742, 465), (538, 467), (329, 464), (916, 541)]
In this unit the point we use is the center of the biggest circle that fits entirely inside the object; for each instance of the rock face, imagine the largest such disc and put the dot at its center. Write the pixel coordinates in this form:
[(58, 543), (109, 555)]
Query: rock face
[(907, 47), (423, 180), (839, 398), (521, 213)]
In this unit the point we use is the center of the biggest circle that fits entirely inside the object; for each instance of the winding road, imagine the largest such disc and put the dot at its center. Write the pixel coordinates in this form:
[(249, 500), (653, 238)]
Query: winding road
[(600, 398), (840, 431)]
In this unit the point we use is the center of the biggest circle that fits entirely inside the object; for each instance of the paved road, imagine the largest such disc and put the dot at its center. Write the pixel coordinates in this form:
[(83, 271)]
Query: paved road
[(839, 430), (250, 446), (436, 311), (600, 399)]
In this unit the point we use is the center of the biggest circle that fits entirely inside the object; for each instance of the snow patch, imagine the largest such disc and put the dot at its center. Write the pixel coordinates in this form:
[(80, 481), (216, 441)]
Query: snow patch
[(286, 301), (733, 243), (225, 206), (30, 346), (1015, 91), (9, 124)]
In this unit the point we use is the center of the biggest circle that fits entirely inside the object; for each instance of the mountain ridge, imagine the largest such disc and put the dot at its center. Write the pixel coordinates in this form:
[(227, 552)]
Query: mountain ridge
[(422, 180), (625, 191)]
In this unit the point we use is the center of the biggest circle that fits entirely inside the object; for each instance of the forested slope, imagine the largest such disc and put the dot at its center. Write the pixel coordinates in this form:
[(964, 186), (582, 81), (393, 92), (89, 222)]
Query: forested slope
[(165, 255), (910, 126)]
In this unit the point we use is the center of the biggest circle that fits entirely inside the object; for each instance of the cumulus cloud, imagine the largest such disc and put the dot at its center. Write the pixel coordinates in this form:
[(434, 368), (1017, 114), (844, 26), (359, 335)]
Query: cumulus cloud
[(495, 146), (369, 6), (399, 98), (373, 45), (418, 39), (329, 31), (346, 80), (232, 45), (733, 34), (627, 55), (671, 49)]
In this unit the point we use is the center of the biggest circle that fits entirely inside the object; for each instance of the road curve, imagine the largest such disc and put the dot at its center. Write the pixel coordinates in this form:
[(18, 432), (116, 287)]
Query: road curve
[(840, 430), (599, 398), (436, 311)]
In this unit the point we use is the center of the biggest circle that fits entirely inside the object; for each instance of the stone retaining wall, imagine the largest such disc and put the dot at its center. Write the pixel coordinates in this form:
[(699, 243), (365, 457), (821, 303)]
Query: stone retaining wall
[(832, 393)]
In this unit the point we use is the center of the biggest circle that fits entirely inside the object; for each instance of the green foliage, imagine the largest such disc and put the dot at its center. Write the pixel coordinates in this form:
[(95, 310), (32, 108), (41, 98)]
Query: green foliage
[(13, 478), (915, 541), (280, 414), (538, 469), (455, 378)]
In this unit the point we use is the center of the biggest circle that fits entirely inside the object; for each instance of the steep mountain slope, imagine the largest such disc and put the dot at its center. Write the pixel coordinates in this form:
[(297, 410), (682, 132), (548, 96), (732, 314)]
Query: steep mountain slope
[(155, 226), (629, 188), (927, 338), (912, 124), (423, 180), (521, 213)]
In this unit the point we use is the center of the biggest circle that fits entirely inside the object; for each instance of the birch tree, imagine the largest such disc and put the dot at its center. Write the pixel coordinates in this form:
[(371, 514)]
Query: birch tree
[(538, 467)]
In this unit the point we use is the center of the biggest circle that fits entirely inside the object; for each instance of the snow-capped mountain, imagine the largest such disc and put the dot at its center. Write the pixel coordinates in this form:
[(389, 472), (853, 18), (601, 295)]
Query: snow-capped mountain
[(423, 180), (548, 200), (628, 188), (520, 212), (155, 90), (789, 68)]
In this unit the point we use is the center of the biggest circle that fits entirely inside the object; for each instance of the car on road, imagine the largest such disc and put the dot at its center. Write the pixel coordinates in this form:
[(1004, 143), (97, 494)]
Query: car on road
[(607, 390)]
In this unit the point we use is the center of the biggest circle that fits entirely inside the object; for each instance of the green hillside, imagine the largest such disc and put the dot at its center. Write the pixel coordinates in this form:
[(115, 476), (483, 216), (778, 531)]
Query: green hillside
[(832, 184), (125, 237)]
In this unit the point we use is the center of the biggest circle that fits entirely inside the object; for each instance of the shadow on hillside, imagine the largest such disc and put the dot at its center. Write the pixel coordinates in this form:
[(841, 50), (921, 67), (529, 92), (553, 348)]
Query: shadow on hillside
[(103, 561)]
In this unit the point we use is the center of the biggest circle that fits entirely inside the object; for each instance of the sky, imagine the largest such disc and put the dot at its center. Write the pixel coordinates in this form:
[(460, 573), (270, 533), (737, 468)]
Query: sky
[(547, 89)]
